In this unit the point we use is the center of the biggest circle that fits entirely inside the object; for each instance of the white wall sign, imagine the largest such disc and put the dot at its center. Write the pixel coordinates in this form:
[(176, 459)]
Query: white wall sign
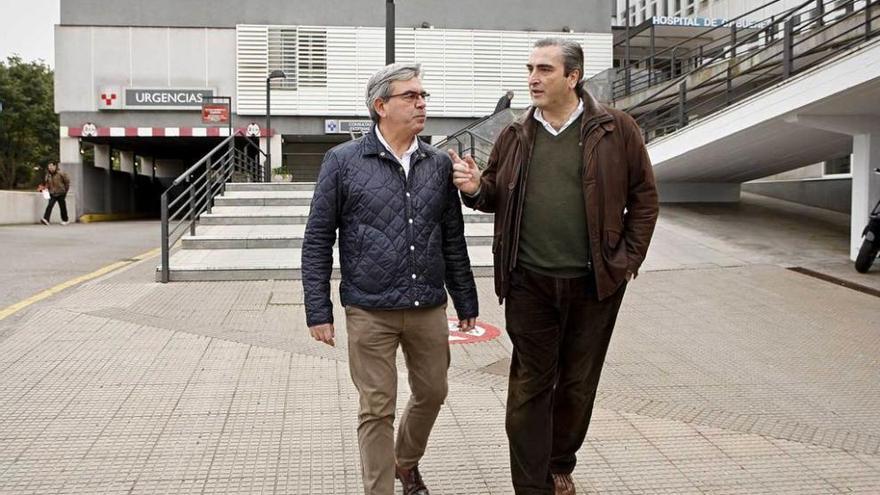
[(660, 20), (165, 99)]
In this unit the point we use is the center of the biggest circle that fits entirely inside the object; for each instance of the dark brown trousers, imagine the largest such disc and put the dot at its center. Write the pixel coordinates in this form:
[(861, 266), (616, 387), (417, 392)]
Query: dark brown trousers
[(560, 333)]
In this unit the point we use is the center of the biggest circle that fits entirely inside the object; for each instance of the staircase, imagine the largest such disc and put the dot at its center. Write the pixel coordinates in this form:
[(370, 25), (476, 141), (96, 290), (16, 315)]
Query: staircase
[(255, 231)]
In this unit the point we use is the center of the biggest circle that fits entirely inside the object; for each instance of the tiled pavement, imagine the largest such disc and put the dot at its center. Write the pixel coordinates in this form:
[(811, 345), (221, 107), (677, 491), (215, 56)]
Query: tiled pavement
[(727, 374)]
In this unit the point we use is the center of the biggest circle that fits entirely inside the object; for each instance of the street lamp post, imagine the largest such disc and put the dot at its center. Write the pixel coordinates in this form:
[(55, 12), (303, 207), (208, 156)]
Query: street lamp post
[(267, 170), (389, 32)]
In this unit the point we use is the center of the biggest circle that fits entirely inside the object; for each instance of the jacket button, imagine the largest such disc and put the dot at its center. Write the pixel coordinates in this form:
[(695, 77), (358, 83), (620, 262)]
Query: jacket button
[(416, 303), (414, 276), (410, 220), (407, 195), (412, 248), (382, 154)]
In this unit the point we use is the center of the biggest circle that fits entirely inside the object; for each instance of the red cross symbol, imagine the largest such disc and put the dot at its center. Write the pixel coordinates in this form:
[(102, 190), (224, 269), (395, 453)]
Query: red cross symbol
[(108, 100)]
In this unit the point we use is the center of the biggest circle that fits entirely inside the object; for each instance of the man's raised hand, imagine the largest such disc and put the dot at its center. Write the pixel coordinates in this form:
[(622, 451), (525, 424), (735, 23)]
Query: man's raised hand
[(465, 174)]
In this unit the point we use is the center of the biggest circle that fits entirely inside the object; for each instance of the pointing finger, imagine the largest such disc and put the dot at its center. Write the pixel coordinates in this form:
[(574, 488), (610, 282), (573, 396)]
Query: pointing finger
[(453, 155)]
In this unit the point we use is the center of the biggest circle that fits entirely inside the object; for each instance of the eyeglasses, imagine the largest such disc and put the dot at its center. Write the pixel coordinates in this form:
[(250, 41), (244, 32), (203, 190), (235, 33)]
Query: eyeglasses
[(412, 96)]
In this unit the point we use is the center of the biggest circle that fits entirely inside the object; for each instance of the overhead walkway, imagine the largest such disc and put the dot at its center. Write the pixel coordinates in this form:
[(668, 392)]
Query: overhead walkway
[(803, 89)]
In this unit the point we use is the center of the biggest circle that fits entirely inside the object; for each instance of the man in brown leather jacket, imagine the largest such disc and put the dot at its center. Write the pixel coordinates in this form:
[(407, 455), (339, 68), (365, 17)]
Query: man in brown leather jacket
[(575, 205), (58, 184)]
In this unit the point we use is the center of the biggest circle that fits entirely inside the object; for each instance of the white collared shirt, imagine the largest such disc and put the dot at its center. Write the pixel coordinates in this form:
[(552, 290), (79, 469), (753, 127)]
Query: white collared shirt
[(539, 116), (407, 155)]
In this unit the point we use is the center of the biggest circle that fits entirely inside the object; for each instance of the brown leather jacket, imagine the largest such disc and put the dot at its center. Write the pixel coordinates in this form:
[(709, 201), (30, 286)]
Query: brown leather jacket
[(57, 183), (619, 191)]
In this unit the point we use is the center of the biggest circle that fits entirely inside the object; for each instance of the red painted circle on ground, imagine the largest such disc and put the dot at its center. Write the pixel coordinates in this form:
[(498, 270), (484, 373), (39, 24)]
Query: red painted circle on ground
[(482, 333)]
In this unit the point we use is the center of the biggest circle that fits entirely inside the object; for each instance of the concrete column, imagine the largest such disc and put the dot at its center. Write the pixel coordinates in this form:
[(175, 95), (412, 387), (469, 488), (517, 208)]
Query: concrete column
[(865, 185), (277, 159), (147, 165), (71, 163), (865, 131), (126, 165), (699, 192), (265, 148), (102, 160), (102, 156), (126, 161)]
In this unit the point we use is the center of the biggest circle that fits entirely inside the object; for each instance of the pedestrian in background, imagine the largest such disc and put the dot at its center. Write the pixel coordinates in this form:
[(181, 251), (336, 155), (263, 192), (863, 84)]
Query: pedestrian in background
[(503, 102), (57, 183)]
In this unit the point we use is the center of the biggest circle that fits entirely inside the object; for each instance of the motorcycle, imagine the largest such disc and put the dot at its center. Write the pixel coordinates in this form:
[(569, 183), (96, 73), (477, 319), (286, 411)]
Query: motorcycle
[(871, 245)]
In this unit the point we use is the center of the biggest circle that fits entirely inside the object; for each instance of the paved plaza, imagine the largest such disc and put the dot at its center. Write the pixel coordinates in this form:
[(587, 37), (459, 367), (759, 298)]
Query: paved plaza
[(728, 373)]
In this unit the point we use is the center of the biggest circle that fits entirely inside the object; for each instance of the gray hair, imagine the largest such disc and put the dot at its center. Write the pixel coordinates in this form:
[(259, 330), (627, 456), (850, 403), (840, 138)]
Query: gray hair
[(572, 56), (379, 85)]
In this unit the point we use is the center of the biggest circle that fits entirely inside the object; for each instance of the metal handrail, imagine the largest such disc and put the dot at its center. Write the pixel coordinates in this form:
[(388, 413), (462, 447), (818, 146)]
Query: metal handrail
[(472, 148), (726, 54), (205, 180), (746, 74), (624, 77)]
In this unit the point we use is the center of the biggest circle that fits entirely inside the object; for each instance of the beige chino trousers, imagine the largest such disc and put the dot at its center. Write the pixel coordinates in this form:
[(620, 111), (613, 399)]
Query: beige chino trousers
[(373, 339)]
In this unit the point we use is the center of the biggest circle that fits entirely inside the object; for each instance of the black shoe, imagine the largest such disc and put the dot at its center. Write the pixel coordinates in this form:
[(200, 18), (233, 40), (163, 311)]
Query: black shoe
[(411, 480)]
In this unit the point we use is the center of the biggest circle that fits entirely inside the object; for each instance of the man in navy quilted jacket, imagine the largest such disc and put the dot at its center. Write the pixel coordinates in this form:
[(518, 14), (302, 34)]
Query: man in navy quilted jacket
[(401, 245)]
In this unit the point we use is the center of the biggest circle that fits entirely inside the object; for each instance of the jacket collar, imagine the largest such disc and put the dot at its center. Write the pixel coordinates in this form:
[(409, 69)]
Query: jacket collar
[(593, 112), (373, 147)]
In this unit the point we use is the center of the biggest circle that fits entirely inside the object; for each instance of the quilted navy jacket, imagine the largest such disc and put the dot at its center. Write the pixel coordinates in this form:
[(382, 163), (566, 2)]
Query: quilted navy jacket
[(400, 238)]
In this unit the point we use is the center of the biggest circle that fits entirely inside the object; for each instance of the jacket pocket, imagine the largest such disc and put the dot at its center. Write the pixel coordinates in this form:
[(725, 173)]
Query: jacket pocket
[(614, 252), (376, 261)]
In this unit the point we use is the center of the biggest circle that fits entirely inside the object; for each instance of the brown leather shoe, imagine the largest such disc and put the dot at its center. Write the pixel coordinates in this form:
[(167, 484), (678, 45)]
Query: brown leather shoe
[(563, 484), (411, 480)]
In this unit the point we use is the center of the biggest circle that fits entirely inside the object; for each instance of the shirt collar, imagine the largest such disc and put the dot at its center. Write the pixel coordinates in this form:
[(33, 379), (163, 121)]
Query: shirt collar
[(539, 116), (412, 148)]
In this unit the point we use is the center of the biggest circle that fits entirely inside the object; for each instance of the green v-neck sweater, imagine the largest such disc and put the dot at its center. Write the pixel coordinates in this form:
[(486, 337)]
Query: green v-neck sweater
[(553, 234)]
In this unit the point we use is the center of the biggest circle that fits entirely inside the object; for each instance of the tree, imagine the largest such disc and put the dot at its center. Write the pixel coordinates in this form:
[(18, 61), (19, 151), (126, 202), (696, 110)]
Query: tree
[(28, 122)]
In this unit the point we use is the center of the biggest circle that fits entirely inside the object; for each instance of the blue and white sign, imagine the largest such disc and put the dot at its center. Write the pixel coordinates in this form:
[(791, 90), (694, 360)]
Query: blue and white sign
[(333, 126)]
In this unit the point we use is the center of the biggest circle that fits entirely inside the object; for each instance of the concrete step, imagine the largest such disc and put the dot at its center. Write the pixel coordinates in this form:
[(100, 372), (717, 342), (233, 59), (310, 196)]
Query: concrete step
[(288, 215), (270, 264), (270, 186), (287, 236), (256, 215), (264, 198)]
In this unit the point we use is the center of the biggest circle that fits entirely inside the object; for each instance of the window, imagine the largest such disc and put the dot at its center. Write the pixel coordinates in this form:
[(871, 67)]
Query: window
[(282, 56), (302, 54), (312, 57)]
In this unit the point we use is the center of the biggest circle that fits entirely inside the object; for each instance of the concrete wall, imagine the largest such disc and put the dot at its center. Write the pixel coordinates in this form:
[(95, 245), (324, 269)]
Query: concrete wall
[(592, 15), (115, 192), (19, 207), (831, 194), (814, 171), (90, 58)]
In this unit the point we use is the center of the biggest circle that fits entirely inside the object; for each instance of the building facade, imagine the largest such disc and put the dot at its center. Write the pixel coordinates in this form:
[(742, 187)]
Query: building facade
[(131, 76)]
